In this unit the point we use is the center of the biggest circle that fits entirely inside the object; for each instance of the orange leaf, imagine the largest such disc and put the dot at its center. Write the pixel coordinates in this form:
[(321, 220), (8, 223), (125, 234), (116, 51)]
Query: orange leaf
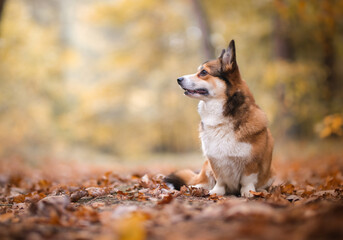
[(166, 199)]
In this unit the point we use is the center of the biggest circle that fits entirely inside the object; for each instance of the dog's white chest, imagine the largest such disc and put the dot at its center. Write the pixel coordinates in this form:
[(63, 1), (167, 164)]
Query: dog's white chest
[(218, 136), (220, 143)]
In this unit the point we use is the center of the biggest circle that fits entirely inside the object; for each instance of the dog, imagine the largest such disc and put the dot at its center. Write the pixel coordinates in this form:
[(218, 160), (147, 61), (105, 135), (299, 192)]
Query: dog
[(234, 132)]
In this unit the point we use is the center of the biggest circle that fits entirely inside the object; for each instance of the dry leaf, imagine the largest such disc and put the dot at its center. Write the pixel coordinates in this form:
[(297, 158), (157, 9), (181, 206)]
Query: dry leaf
[(166, 198)]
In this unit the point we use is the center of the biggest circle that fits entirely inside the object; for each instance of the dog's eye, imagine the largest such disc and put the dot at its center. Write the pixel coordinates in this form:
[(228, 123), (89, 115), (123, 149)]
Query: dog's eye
[(203, 73)]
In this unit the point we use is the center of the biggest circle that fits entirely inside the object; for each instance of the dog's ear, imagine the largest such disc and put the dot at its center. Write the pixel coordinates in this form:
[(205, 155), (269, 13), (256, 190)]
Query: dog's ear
[(221, 55), (229, 57)]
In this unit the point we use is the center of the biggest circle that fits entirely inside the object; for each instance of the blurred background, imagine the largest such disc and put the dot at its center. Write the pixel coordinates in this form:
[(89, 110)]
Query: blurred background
[(83, 78)]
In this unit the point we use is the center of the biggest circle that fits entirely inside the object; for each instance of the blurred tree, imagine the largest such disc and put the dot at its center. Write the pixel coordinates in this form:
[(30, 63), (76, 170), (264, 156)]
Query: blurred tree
[(205, 29), (281, 33), (283, 51), (327, 26), (2, 4)]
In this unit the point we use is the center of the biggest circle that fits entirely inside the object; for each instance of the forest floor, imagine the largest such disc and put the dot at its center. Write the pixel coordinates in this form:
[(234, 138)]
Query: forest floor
[(61, 200)]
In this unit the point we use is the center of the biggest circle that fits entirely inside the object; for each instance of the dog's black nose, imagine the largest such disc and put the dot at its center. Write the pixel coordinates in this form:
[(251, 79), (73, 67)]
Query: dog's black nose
[(180, 79)]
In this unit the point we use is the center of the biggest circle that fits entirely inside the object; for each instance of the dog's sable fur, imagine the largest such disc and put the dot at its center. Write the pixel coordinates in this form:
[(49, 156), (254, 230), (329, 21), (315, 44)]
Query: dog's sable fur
[(235, 138)]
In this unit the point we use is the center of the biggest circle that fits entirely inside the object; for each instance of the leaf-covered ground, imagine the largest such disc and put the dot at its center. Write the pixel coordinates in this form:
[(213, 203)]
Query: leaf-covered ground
[(78, 201)]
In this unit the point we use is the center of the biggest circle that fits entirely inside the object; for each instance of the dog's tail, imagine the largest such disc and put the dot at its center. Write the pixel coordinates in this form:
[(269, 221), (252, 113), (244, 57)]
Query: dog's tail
[(180, 178)]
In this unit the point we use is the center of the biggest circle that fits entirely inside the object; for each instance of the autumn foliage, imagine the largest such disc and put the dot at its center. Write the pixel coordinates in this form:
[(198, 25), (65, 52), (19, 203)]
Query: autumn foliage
[(74, 202), (94, 82)]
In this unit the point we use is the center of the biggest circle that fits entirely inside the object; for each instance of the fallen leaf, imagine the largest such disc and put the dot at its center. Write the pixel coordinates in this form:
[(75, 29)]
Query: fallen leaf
[(6, 217), (293, 198), (96, 191), (166, 198), (75, 196), (132, 227), (288, 189)]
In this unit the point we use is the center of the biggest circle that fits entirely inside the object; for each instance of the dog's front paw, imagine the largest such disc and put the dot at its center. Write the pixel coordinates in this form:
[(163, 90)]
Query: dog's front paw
[(245, 192), (219, 190)]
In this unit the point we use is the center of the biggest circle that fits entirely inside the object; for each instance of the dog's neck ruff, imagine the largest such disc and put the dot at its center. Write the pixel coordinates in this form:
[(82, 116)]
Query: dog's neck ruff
[(211, 112)]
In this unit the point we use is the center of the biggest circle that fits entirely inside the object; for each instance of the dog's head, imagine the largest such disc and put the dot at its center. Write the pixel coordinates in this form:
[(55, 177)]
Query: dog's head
[(217, 78)]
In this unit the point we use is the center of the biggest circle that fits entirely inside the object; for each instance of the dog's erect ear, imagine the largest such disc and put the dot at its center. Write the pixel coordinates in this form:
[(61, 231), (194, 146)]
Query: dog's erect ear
[(221, 55), (229, 57)]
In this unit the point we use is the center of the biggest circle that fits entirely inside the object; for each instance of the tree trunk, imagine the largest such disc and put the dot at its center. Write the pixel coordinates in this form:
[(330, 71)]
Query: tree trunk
[(2, 4), (284, 51), (329, 57), (204, 27)]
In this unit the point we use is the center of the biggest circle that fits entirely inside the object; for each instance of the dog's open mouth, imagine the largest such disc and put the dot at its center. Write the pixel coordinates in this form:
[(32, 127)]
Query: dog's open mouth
[(201, 91)]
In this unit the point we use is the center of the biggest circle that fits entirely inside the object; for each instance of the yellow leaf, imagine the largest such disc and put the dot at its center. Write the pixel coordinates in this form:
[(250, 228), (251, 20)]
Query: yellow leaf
[(132, 227)]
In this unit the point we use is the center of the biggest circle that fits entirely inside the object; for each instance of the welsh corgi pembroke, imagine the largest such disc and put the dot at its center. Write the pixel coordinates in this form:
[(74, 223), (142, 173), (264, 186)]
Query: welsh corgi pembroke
[(234, 134)]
